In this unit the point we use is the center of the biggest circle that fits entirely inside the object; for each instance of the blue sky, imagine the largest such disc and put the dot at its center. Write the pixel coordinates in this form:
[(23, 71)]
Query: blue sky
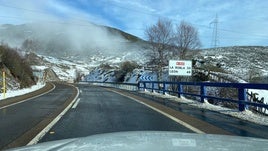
[(240, 22)]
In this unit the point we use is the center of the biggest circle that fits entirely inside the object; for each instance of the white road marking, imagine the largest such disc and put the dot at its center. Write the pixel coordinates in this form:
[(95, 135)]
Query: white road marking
[(28, 98), (41, 134), (76, 103), (81, 91), (165, 114)]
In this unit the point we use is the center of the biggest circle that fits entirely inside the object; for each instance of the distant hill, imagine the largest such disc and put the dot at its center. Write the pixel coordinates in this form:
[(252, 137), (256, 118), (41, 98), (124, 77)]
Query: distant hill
[(94, 45), (70, 40)]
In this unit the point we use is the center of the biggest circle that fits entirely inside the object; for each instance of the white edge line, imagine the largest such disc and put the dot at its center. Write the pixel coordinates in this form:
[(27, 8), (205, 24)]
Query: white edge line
[(165, 114), (29, 98), (76, 103), (40, 135)]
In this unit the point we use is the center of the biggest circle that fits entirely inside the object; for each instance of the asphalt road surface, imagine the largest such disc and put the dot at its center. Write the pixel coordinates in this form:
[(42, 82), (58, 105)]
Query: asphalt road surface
[(233, 125), (101, 111), (17, 120)]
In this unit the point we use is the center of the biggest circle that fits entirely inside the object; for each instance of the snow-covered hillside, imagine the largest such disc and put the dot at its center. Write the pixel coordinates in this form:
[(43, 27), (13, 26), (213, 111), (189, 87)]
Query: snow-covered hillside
[(240, 61), (66, 70)]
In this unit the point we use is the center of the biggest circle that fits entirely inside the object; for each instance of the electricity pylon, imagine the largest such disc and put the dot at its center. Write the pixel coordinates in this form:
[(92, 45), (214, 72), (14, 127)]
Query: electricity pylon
[(215, 38)]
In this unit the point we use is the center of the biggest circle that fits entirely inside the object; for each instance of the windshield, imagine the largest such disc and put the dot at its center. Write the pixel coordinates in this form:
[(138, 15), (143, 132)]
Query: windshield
[(178, 70)]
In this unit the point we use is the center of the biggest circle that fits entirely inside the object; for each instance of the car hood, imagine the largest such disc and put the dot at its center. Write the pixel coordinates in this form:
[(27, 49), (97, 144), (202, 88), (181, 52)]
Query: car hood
[(152, 140)]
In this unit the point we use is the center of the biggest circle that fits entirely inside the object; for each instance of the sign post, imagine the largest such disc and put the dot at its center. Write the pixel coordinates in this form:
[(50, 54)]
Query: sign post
[(180, 68), (4, 85)]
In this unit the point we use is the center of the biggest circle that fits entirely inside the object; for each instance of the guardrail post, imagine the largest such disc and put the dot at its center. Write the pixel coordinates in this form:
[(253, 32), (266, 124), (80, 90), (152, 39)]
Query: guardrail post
[(152, 86), (203, 93), (180, 90), (164, 88), (138, 86), (144, 85), (241, 97)]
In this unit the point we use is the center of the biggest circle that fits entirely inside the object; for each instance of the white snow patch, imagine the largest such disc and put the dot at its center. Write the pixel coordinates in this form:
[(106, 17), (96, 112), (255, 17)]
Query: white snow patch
[(13, 93), (40, 68), (245, 115), (261, 94), (67, 69)]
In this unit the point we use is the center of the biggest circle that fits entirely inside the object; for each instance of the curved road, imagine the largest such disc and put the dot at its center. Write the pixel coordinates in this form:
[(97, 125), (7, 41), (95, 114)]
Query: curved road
[(102, 111), (21, 122)]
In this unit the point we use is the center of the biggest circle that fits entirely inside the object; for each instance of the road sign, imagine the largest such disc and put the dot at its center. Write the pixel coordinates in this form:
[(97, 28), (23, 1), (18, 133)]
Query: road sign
[(146, 78), (180, 68)]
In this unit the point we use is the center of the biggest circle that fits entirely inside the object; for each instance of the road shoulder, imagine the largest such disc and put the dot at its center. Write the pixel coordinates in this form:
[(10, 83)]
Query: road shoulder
[(14, 100)]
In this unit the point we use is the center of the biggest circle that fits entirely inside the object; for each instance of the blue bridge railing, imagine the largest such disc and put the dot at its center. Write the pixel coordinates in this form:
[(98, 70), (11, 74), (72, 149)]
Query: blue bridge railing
[(241, 89)]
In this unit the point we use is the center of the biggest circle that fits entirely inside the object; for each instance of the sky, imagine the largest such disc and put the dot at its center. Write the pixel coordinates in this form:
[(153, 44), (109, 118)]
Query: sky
[(239, 22)]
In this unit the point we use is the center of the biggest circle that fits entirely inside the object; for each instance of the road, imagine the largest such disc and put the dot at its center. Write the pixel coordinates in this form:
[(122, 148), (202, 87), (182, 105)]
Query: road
[(21, 122), (102, 111)]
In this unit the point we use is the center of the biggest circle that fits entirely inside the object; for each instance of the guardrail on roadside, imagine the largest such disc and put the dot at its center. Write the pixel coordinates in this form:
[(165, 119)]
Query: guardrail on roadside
[(163, 87), (242, 88)]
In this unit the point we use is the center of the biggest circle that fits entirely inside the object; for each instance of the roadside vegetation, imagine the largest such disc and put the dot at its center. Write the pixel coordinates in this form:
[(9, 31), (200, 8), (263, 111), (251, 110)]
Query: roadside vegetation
[(124, 68), (18, 66)]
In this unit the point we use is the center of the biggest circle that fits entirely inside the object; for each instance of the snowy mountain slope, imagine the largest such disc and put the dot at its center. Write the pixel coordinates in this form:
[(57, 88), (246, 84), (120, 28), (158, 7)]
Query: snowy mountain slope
[(67, 70), (236, 62), (242, 61), (68, 41)]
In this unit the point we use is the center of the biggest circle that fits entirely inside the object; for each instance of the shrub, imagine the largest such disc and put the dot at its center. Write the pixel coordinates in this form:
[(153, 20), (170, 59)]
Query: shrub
[(105, 66), (18, 66), (128, 66), (125, 67)]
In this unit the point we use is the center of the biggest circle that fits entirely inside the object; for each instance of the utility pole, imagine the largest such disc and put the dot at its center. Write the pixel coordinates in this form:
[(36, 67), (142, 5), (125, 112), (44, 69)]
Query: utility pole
[(215, 39)]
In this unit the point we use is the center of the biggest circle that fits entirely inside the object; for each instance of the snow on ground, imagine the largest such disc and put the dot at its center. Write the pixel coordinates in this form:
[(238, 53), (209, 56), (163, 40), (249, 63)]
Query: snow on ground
[(245, 115), (261, 94), (13, 93), (66, 69), (40, 68)]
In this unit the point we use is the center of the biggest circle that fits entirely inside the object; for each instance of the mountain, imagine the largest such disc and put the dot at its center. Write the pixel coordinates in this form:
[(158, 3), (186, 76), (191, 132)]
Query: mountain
[(73, 41), (226, 64), (94, 45)]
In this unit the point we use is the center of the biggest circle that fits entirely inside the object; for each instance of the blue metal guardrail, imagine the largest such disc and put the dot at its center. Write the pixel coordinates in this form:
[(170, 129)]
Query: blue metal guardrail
[(241, 88)]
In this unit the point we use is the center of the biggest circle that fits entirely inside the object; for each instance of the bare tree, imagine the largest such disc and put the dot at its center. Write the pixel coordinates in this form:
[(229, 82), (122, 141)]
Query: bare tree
[(186, 38), (160, 37)]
